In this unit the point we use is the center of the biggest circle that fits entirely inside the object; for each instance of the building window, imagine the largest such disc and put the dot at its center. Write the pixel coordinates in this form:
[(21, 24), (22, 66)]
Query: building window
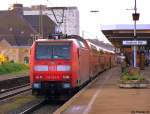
[(26, 60)]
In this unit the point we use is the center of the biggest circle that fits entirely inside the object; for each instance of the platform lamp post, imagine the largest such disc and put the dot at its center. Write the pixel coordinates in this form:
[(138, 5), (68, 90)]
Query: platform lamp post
[(135, 17)]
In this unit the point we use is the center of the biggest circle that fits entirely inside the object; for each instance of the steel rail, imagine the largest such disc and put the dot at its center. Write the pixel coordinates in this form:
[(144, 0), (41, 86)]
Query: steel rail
[(15, 92), (34, 107), (14, 88)]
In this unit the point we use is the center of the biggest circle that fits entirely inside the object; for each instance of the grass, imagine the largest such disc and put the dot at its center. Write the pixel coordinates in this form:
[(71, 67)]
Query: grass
[(13, 68)]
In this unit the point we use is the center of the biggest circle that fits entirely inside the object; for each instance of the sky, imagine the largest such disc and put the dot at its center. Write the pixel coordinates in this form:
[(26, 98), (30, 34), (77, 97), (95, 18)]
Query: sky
[(110, 12)]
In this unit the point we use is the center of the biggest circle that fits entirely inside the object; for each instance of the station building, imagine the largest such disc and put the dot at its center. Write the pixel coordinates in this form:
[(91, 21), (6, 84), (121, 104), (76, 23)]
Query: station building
[(67, 16), (18, 31), (120, 34)]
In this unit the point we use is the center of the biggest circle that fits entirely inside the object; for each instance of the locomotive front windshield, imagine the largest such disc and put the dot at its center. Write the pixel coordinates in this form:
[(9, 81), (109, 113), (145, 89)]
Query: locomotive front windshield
[(53, 50)]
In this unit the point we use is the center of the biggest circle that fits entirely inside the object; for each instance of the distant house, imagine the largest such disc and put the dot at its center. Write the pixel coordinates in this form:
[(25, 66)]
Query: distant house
[(17, 34)]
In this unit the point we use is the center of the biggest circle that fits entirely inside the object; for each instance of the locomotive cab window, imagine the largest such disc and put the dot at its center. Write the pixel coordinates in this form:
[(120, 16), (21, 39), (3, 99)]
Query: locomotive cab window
[(53, 50)]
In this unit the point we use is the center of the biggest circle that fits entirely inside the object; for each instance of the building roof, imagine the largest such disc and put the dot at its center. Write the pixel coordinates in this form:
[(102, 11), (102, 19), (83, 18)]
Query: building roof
[(48, 24), (125, 30), (15, 29), (44, 7), (18, 29), (126, 27), (15, 23), (117, 33), (65, 8)]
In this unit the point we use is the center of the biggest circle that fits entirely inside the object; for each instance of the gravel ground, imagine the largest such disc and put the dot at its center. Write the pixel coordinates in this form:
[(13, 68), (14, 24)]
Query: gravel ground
[(48, 108), (18, 103)]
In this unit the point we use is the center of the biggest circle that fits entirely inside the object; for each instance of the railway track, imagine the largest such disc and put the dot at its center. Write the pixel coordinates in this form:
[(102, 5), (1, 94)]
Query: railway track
[(8, 93), (34, 107), (12, 82), (13, 88), (44, 107)]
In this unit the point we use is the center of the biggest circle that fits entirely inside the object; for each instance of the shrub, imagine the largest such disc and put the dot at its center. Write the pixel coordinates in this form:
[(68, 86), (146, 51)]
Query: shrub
[(133, 71), (125, 72), (131, 74), (136, 77), (9, 67), (2, 58)]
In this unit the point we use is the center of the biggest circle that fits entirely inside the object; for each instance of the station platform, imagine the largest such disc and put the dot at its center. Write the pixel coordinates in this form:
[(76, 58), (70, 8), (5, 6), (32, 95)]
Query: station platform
[(103, 96)]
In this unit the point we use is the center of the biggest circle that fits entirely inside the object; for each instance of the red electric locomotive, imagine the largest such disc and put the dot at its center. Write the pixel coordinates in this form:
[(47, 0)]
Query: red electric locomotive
[(59, 66)]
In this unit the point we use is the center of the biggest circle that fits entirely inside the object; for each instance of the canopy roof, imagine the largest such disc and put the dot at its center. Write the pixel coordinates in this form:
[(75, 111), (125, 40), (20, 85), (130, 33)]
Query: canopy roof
[(120, 32)]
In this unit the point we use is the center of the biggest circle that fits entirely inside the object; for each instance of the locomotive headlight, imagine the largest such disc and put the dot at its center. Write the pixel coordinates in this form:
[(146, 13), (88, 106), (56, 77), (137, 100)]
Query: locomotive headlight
[(41, 68), (66, 77), (66, 85), (36, 85), (63, 67), (38, 77)]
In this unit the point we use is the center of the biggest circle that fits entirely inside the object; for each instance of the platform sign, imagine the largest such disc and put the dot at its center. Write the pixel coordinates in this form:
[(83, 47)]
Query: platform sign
[(134, 42)]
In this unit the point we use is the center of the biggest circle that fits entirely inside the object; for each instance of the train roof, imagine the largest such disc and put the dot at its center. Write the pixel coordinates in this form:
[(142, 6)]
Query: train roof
[(101, 46), (62, 37), (98, 45), (78, 43), (51, 40)]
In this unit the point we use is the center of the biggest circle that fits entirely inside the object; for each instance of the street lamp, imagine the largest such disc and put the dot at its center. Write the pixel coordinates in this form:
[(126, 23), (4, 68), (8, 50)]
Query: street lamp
[(94, 11), (135, 17)]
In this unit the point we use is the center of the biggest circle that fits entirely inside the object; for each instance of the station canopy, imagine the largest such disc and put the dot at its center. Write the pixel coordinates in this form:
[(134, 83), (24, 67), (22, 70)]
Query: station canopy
[(120, 32)]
